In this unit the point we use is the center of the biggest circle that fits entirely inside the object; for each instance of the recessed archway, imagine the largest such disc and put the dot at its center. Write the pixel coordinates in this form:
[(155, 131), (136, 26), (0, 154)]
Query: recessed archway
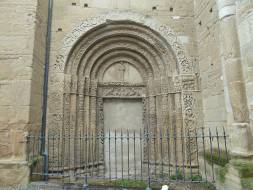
[(166, 82)]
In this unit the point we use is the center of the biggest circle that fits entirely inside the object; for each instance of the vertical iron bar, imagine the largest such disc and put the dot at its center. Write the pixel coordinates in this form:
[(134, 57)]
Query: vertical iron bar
[(168, 143), (197, 147), (28, 148), (141, 152), (36, 152), (53, 156), (33, 146), (204, 149), (218, 143), (98, 154), (211, 149), (89, 150), (82, 149), (87, 153), (58, 155), (48, 159), (80, 153), (190, 152), (63, 157), (161, 150), (104, 143), (225, 142), (37, 144), (95, 151), (127, 154), (183, 154), (115, 146), (92, 152), (175, 152), (148, 139), (154, 140), (134, 158), (69, 158), (109, 142), (75, 139), (122, 167)]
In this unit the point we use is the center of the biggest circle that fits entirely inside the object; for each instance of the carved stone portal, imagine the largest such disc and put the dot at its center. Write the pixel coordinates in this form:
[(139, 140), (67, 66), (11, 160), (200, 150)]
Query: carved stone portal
[(131, 57)]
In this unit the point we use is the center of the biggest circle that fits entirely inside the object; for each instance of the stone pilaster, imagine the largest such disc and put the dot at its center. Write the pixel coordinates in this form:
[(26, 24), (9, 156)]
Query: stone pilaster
[(230, 50)]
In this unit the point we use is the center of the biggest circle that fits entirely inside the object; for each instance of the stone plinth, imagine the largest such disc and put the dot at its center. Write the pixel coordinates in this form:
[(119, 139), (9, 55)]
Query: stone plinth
[(241, 140), (14, 173)]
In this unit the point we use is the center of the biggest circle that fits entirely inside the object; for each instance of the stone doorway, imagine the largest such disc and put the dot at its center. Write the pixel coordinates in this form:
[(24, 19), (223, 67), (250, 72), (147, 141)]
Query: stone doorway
[(122, 117), (123, 114), (120, 55)]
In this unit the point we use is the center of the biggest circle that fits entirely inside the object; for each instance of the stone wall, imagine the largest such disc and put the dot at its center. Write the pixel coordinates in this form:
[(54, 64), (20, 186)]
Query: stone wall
[(215, 107), (23, 25), (22, 39)]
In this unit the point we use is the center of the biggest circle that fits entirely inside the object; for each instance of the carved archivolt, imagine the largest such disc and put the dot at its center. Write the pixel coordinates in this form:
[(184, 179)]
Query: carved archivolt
[(168, 82), (70, 41)]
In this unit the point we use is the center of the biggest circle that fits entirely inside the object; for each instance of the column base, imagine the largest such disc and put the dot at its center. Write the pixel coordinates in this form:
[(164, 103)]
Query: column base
[(241, 140), (235, 177), (14, 173)]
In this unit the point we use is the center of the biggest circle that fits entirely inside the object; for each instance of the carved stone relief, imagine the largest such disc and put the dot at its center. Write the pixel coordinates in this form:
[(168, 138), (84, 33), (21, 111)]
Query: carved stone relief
[(109, 64), (123, 72), (123, 92)]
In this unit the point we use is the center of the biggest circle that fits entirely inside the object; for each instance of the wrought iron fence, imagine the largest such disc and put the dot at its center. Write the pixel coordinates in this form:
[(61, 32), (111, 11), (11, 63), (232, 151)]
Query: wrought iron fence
[(158, 156)]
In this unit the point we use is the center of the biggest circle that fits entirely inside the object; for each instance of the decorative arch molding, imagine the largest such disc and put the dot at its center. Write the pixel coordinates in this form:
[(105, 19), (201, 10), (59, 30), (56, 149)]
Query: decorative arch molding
[(109, 59), (76, 90), (88, 25)]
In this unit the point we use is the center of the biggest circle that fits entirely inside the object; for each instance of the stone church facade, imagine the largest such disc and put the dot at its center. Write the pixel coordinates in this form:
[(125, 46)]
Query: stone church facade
[(66, 66)]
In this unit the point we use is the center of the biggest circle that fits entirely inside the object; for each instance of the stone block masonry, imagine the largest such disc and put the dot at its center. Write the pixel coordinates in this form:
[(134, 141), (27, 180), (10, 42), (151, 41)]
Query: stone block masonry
[(216, 38), (22, 53)]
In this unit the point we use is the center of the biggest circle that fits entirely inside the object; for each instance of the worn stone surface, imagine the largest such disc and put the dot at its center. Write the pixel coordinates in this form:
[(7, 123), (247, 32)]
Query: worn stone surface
[(14, 173), (22, 38), (190, 57), (214, 95), (157, 69)]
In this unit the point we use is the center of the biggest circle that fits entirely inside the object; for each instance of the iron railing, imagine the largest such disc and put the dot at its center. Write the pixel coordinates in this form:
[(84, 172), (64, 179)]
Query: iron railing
[(160, 156)]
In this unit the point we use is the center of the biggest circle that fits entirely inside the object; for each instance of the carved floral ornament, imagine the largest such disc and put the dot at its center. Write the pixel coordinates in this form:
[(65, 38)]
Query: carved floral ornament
[(185, 65)]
